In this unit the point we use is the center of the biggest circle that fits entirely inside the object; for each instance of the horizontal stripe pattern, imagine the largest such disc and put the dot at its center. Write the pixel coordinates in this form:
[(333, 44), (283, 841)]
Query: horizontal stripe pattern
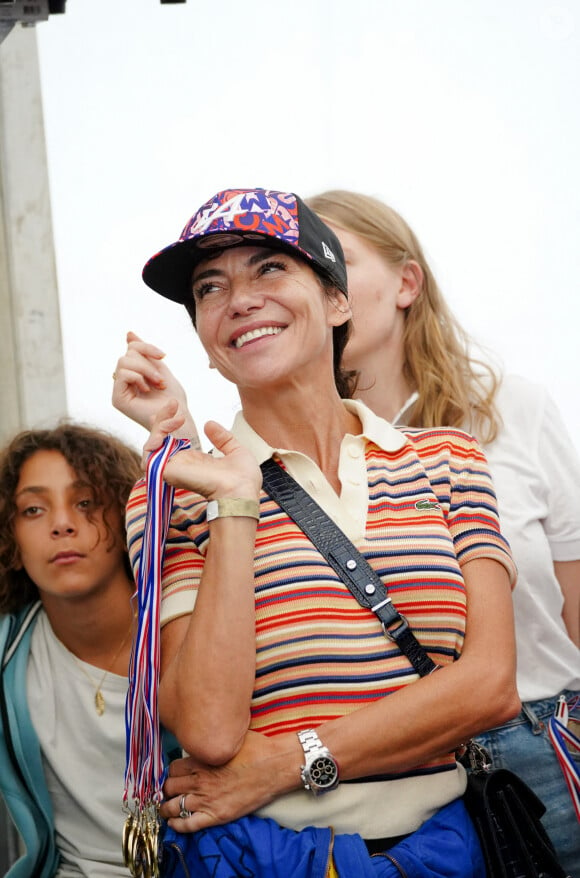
[(319, 654)]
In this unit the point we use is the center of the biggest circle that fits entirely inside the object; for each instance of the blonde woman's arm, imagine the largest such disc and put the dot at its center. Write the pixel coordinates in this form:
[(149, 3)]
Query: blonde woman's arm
[(568, 575)]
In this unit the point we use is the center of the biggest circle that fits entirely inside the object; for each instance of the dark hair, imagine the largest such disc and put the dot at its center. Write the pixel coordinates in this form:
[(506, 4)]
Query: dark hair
[(109, 466), (345, 380)]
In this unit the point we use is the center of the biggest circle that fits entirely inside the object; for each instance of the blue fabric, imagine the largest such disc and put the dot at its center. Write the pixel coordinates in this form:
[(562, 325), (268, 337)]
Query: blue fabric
[(446, 846), (26, 797), (523, 746)]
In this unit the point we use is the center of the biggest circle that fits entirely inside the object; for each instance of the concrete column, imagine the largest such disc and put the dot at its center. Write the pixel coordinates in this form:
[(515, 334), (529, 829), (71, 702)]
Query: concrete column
[(32, 385)]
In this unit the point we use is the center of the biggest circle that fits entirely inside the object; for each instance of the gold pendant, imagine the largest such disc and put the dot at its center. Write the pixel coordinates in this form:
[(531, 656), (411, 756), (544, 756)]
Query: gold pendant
[(99, 702)]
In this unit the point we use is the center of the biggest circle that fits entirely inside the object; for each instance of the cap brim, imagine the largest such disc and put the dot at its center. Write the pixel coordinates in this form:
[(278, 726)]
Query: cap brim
[(169, 272)]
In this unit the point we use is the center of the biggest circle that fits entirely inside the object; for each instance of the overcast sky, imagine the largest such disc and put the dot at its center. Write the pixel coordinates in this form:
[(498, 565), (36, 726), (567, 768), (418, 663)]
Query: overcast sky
[(463, 116)]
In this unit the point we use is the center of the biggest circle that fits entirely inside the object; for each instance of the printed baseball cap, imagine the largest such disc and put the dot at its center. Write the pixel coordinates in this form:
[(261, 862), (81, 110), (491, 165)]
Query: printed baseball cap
[(259, 217)]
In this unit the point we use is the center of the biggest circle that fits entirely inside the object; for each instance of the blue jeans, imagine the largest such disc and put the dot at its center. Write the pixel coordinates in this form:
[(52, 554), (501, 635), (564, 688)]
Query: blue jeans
[(523, 746)]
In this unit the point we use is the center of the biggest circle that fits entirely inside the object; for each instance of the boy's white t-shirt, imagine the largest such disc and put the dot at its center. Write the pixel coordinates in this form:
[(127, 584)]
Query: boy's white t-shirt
[(83, 754)]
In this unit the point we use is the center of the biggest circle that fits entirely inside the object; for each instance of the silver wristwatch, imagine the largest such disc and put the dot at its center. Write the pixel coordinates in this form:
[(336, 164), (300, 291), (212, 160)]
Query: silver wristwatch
[(319, 773)]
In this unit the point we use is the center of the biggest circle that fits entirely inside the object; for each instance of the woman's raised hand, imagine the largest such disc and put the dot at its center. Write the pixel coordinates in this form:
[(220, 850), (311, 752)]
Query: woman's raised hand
[(234, 472), (143, 383)]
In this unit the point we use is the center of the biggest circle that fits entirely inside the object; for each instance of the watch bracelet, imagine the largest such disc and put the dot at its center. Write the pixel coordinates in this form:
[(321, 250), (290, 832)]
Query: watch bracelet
[(313, 749), (233, 507)]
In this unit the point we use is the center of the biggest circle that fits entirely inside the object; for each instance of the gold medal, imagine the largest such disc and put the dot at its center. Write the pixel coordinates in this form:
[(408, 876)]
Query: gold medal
[(128, 835), (151, 844), (140, 843)]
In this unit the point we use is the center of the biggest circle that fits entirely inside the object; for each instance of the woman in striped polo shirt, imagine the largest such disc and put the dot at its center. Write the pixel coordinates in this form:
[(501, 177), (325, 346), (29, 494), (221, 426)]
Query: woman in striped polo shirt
[(267, 659)]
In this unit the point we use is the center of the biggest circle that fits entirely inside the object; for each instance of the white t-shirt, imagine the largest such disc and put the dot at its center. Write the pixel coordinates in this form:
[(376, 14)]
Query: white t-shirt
[(536, 474), (83, 754)]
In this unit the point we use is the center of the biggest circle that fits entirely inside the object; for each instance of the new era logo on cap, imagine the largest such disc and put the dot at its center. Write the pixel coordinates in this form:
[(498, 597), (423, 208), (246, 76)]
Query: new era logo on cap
[(328, 252)]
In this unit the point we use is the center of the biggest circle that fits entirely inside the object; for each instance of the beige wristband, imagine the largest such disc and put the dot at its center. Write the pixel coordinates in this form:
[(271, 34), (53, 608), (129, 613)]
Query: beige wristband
[(228, 507)]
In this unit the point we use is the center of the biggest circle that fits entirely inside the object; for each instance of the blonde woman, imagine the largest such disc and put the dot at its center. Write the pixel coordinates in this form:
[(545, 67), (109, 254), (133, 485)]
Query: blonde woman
[(416, 367)]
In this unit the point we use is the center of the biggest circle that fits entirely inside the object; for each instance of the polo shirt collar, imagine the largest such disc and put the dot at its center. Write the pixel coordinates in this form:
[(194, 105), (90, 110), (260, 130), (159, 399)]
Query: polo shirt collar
[(374, 429)]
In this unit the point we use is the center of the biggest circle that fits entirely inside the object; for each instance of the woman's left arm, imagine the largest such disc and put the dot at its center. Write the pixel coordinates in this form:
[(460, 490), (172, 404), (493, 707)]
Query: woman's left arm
[(568, 575), (559, 465), (429, 717), (437, 713)]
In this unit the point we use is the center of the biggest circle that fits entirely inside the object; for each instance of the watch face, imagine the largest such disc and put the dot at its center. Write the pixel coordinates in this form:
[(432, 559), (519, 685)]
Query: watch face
[(323, 772)]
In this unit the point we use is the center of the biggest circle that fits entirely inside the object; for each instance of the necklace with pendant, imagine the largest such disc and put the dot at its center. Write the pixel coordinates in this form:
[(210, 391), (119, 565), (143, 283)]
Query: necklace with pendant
[(99, 698)]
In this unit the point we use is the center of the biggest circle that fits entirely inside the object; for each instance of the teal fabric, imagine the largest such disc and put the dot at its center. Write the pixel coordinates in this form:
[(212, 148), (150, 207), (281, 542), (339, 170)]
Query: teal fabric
[(26, 796), (25, 793)]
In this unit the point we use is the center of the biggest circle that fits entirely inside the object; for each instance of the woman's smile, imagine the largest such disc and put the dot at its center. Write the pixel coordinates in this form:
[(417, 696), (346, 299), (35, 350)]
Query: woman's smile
[(251, 335)]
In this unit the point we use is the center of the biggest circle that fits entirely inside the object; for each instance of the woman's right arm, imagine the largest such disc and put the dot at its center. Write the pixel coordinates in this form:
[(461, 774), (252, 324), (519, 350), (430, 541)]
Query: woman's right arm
[(208, 657)]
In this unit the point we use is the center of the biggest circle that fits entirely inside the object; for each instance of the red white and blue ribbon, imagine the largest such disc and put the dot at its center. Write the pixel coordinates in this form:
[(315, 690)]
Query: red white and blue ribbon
[(565, 742), (145, 769)]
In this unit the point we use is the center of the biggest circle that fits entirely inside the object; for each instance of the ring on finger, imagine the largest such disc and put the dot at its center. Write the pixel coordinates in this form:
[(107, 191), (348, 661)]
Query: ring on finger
[(114, 376), (183, 812)]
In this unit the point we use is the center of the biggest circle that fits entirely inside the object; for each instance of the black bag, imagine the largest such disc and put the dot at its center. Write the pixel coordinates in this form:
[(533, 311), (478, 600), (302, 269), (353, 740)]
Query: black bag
[(506, 812)]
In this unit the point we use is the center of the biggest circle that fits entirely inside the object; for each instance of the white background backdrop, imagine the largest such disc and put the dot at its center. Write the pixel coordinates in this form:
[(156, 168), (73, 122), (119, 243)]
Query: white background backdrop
[(463, 116)]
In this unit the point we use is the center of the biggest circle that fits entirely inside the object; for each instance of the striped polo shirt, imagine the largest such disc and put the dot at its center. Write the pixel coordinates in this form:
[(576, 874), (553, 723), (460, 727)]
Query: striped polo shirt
[(418, 504)]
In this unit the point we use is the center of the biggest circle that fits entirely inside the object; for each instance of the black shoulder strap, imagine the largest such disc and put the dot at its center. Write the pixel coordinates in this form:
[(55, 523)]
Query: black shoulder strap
[(352, 567)]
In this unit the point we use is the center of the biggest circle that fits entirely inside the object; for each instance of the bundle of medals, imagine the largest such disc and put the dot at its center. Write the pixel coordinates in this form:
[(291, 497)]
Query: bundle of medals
[(140, 842), (145, 770)]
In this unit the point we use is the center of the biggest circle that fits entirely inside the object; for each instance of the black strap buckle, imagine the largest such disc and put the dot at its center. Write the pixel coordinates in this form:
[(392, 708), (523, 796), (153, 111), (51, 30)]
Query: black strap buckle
[(394, 631)]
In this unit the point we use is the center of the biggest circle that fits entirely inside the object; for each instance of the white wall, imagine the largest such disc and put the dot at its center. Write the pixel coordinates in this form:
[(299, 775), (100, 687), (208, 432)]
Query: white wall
[(463, 116)]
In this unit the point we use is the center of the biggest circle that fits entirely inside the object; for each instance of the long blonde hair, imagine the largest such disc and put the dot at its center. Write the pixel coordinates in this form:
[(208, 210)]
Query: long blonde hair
[(455, 390)]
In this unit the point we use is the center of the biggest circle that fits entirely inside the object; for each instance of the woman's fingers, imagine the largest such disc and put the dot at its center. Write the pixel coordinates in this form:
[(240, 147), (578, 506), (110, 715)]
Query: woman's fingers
[(134, 379), (167, 420), (183, 818), (135, 364), (143, 383), (220, 438), (143, 347)]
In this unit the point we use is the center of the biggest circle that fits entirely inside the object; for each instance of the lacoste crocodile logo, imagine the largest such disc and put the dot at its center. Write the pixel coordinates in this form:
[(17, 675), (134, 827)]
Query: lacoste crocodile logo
[(427, 504)]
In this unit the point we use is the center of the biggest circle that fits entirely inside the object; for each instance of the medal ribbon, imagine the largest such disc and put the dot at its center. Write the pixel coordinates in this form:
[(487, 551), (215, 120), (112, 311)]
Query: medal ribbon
[(144, 768), (563, 741)]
